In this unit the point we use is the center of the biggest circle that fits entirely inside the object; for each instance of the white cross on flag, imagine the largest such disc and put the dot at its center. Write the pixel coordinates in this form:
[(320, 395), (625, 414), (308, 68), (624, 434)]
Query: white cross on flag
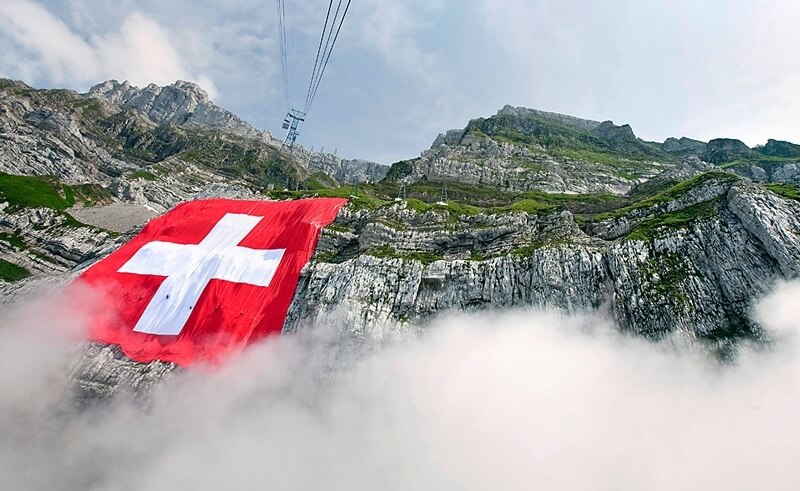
[(207, 278)]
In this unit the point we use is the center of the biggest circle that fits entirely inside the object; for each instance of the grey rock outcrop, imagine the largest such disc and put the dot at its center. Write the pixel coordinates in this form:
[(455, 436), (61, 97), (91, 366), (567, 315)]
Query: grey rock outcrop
[(38, 138), (529, 117), (183, 103), (521, 149), (722, 150), (684, 147), (607, 130), (483, 161), (346, 171), (778, 148), (698, 279), (769, 171)]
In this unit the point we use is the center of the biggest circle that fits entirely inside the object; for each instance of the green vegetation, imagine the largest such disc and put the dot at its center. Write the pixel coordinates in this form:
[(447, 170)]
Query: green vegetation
[(789, 191), (14, 239), (89, 107), (471, 200), (561, 137), (670, 194), (393, 224), (763, 161), (142, 153), (359, 201), (234, 157), (528, 250), (400, 170), (142, 174), (452, 208), (89, 194), (48, 192), (667, 274), (318, 180), (388, 252), (324, 256), (34, 192), (338, 227), (11, 272), (476, 256), (45, 257), (650, 228), (527, 205)]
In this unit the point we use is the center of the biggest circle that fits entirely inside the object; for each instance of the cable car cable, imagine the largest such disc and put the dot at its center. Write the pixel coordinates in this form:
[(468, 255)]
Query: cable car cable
[(319, 50), (325, 65)]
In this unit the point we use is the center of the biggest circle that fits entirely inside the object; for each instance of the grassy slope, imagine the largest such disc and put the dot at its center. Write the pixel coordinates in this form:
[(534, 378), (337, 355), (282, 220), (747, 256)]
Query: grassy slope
[(35, 192), (12, 272)]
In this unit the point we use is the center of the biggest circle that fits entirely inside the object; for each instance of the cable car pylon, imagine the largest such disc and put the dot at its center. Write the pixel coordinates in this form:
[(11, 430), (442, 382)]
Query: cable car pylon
[(292, 123)]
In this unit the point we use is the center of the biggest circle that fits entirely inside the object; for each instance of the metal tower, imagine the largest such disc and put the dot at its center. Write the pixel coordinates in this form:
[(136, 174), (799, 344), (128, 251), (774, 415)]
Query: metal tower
[(292, 123)]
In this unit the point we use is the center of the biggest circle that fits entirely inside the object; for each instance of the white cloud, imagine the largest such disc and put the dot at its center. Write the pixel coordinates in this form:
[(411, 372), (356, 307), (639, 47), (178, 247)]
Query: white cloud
[(390, 29), (759, 80), (140, 51), (515, 400), (720, 68)]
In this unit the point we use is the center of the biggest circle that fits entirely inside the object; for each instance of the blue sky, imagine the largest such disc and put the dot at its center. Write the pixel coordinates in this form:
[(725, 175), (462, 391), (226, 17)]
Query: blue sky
[(403, 71)]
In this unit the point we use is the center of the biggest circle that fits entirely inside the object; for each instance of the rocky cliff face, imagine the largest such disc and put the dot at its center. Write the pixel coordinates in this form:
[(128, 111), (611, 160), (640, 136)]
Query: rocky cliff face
[(182, 103), (544, 210), (153, 146), (723, 150), (691, 261), (520, 150), (346, 171)]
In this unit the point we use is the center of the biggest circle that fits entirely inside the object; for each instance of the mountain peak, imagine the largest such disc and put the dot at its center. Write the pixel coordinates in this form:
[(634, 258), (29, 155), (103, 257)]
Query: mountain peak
[(525, 113), (609, 131), (182, 102)]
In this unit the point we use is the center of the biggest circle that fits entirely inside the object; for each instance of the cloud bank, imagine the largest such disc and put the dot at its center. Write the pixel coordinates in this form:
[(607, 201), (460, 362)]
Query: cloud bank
[(517, 400)]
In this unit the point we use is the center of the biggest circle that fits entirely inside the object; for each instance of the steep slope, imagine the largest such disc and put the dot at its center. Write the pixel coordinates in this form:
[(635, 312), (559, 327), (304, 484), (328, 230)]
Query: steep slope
[(690, 259), (182, 103), (522, 149), (346, 171), (153, 146)]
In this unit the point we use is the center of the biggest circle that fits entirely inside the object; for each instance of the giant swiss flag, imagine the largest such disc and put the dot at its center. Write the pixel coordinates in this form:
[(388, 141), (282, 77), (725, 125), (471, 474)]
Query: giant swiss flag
[(207, 278)]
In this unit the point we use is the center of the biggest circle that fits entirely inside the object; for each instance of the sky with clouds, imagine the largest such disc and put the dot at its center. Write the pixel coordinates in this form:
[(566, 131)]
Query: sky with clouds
[(405, 70)]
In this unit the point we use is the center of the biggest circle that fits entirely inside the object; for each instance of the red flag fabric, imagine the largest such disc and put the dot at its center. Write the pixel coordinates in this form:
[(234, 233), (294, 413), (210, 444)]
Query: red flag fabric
[(207, 277)]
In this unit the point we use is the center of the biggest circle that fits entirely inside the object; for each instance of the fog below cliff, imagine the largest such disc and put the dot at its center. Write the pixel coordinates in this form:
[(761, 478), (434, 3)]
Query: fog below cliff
[(515, 400)]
